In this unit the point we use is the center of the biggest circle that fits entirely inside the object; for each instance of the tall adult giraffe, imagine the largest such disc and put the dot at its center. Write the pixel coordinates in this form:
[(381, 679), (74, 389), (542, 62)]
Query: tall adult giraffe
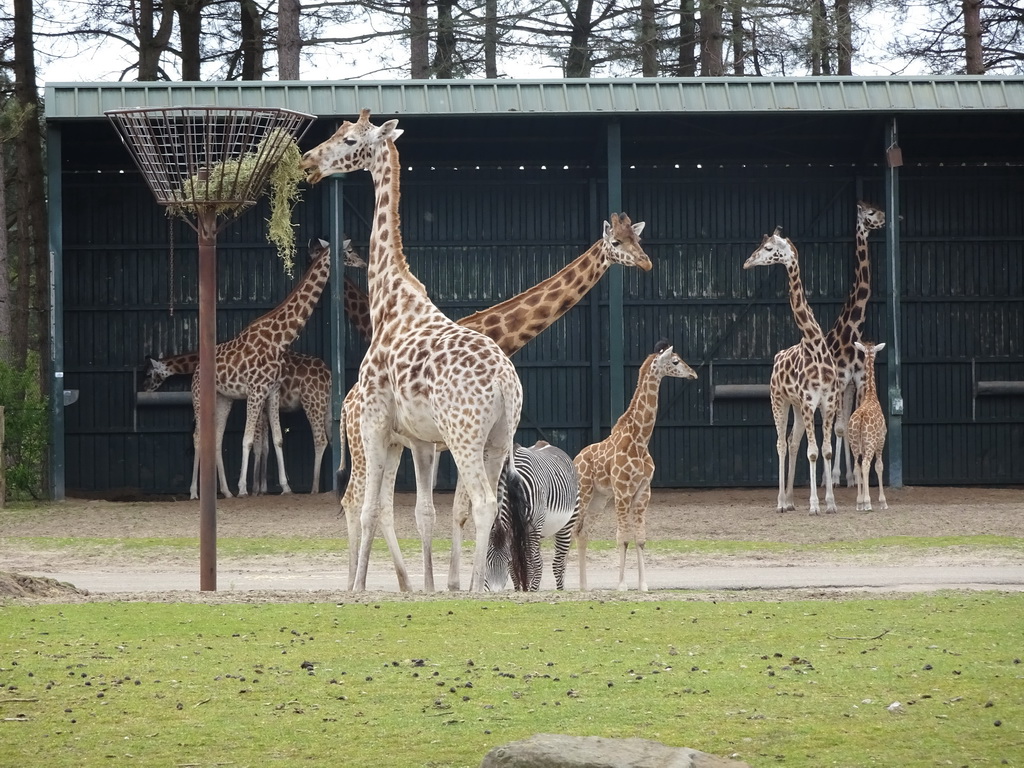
[(305, 383), (803, 378), (844, 335), (249, 365), (424, 377), (512, 324)]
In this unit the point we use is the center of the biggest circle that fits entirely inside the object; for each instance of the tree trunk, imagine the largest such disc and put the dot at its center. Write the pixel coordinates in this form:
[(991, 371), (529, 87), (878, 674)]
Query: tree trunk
[(152, 40), (578, 61), (711, 39), (31, 323), (975, 60), (252, 44), (491, 39), (289, 41), (739, 38), (190, 25), (419, 55), (5, 273), (444, 47), (648, 39), (687, 39), (844, 38)]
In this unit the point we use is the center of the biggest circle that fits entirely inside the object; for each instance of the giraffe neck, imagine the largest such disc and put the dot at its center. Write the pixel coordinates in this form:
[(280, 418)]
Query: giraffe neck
[(802, 313), (852, 314), (869, 393), (289, 317), (181, 364), (388, 268), (515, 322), (357, 309), (638, 419)]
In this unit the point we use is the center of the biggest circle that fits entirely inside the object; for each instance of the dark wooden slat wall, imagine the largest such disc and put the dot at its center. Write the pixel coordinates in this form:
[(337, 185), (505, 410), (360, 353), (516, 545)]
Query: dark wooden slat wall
[(475, 237)]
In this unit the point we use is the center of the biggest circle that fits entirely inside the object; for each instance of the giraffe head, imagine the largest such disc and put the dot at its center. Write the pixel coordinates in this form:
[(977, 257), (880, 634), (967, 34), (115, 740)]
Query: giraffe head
[(620, 243), (352, 259), (157, 372), (667, 363), (869, 349), (774, 249), (352, 148), (869, 216)]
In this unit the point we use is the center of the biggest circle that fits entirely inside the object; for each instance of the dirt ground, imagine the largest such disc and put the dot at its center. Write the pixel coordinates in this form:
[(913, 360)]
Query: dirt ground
[(698, 515)]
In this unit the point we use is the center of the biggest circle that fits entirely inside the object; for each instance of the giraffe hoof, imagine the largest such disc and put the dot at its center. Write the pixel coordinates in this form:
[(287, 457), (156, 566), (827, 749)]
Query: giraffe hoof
[(883, 505), (622, 587)]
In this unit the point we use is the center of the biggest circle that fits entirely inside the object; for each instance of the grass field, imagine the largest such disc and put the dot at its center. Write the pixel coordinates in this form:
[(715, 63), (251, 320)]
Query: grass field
[(439, 683)]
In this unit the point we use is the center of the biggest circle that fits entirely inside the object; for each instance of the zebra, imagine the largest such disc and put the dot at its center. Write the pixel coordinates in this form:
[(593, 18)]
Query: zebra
[(538, 497)]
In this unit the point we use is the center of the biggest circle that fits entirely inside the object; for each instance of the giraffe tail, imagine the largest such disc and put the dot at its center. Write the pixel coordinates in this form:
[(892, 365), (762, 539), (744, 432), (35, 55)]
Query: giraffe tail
[(344, 472)]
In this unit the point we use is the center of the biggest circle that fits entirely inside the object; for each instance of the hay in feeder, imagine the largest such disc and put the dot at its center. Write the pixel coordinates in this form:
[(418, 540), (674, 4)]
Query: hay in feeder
[(227, 185)]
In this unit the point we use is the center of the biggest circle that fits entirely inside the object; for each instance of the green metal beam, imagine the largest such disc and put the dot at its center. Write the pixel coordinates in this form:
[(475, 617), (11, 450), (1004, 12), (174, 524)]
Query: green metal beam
[(616, 328), (892, 304), (56, 363), (336, 337)]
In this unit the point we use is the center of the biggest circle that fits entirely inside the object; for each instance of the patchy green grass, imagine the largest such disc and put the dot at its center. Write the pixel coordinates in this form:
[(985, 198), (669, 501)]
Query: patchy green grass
[(441, 682), (285, 545)]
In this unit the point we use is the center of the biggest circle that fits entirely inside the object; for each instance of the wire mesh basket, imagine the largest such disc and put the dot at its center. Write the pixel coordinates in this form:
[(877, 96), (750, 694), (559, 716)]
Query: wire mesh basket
[(207, 159)]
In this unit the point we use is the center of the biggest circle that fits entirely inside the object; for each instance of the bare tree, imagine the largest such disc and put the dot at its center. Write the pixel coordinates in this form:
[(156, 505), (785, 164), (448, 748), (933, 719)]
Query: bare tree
[(289, 40), (844, 38), (251, 44), (956, 30), (711, 39), (687, 38)]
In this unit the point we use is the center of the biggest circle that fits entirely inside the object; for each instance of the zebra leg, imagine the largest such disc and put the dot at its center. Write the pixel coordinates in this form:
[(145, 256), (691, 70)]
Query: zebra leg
[(562, 541)]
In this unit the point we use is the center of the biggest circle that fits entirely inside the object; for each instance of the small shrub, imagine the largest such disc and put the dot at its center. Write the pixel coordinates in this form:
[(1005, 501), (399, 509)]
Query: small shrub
[(25, 430)]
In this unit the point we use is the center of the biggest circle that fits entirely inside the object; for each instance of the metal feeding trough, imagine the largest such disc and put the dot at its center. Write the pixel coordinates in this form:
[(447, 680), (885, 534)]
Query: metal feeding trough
[(207, 165)]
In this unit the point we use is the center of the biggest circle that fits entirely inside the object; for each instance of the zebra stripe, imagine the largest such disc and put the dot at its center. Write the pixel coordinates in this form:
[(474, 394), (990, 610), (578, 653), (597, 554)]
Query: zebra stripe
[(537, 498)]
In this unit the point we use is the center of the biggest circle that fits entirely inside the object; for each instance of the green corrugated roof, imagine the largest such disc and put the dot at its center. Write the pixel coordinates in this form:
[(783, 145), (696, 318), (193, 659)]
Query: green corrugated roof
[(556, 97)]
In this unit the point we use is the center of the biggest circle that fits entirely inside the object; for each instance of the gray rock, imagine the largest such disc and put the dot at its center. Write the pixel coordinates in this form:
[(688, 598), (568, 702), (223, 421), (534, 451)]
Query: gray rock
[(547, 750)]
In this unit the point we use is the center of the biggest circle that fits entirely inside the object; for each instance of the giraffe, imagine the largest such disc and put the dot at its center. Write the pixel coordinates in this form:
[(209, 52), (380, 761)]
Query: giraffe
[(803, 378), (620, 467), (512, 324), (249, 366), (846, 331), (305, 383), (866, 431), (424, 377)]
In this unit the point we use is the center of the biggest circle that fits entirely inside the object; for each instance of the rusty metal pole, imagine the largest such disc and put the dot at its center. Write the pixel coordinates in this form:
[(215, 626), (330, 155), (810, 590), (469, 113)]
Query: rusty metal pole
[(207, 231)]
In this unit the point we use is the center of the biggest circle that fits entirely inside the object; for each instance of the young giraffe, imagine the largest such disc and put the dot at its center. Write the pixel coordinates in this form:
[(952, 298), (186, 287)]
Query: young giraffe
[(803, 378), (305, 383), (620, 466), (866, 432), (512, 324), (845, 333), (249, 366), (424, 377)]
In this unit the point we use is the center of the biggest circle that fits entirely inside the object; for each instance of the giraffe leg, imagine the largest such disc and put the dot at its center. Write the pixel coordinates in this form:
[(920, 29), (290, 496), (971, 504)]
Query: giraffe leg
[(807, 414), (780, 411), (843, 445), (590, 504), (864, 484), (829, 407), (480, 470), (316, 415), (387, 518), (376, 472), (223, 410), (879, 466), (274, 414), (423, 461), (261, 451), (795, 438), (460, 513), (622, 526), (254, 405), (639, 509)]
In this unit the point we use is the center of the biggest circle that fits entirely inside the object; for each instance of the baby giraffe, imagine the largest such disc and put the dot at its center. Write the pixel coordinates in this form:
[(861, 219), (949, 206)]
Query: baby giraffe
[(866, 432), (621, 467)]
